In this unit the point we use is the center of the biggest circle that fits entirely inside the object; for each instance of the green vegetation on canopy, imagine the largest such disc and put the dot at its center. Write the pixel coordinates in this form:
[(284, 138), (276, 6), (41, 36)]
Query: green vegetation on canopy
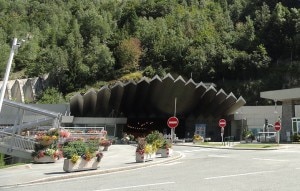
[(243, 46)]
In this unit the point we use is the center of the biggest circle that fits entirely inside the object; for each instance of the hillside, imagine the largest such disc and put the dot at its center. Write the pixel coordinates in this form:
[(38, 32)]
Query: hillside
[(243, 46)]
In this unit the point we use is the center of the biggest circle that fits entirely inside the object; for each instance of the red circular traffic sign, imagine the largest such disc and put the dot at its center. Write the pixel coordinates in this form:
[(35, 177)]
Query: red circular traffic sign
[(222, 123), (173, 122), (277, 126)]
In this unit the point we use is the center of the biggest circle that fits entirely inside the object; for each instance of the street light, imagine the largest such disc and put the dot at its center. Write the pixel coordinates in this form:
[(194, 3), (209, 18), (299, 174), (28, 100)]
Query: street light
[(14, 48)]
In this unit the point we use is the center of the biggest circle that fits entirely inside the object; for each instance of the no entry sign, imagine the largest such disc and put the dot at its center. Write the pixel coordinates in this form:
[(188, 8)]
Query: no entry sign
[(277, 126), (173, 122), (222, 123)]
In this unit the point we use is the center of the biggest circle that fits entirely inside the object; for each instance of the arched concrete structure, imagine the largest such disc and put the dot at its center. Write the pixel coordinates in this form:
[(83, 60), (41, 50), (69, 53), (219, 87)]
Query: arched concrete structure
[(154, 99)]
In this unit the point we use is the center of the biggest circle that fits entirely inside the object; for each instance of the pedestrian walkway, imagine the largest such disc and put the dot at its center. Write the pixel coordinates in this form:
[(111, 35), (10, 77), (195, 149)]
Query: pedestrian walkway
[(118, 158)]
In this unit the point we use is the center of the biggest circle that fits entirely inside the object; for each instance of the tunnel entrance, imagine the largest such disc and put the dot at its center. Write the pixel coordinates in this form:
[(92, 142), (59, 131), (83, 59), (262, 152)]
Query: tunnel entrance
[(141, 127)]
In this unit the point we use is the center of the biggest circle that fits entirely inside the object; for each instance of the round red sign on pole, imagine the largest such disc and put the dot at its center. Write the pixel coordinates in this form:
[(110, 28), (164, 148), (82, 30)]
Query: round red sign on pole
[(222, 123), (277, 126), (173, 122)]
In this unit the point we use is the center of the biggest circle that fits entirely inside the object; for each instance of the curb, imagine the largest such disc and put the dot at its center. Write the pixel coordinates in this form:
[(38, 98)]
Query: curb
[(229, 148), (98, 172)]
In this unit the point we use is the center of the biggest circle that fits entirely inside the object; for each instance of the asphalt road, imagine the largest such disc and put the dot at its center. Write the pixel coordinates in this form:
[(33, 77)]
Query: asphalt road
[(198, 169)]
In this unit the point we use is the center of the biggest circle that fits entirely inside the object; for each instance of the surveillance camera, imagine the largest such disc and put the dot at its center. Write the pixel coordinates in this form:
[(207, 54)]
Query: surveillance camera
[(23, 40)]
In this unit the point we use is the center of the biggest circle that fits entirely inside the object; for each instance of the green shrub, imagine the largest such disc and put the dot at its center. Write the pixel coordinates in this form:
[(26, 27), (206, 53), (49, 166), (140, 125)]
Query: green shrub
[(2, 162), (74, 148), (296, 138), (156, 139)]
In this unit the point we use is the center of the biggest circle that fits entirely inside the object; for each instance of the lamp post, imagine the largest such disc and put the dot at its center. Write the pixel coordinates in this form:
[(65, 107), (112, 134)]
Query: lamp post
[(8, 67)]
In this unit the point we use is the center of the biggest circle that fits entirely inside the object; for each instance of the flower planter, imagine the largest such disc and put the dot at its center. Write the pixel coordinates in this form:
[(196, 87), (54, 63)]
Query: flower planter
[(80, 165), (46, 142), (144, 157), (105, 148), (151, 156), (197, 141), (44, 159), (140, 157), (165, 152)]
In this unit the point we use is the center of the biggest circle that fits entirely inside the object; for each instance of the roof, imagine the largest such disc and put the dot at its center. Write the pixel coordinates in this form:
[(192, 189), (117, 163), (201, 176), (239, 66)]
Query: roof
[(282, 95), (155, 97)]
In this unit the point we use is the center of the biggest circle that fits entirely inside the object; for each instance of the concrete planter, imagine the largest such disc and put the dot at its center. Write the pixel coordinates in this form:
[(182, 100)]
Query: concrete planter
[(144, 157), (81, 165), (165, 152), (198, 141)]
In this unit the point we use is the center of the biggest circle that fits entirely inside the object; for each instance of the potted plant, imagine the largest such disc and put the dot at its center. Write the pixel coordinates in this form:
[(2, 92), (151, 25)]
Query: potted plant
[(47, 138), (81, 156), (197, 139), (156, 139), (248, 136), (140, 155), (105, 143), (45, 148), (166, 149), (144, 150), (42, 154)]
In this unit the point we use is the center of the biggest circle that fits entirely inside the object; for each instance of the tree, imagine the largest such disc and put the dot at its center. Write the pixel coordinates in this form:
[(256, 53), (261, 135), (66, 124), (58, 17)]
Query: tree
[(77, 72), (50, 96), (99, 59), (128, 54)]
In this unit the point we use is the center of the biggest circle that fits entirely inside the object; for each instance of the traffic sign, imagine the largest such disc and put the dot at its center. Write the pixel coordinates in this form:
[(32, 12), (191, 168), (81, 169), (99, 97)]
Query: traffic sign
[(173, 122), (222, 123), (277, 126)]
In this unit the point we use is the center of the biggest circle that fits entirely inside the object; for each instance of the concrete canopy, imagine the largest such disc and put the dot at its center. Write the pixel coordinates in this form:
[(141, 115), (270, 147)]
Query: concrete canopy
[(155, 97), (282, 95)]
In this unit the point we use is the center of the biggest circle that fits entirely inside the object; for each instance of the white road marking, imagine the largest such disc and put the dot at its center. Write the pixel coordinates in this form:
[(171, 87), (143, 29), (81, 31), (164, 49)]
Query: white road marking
[(236, 175), (218, 156), (182, 154), (286, 151), (276, 160), (170, 164), (137, 186), (198, 150)]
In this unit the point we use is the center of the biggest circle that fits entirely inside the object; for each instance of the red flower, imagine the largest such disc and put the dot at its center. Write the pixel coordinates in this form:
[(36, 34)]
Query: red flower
[(140, 151), (41, 154)]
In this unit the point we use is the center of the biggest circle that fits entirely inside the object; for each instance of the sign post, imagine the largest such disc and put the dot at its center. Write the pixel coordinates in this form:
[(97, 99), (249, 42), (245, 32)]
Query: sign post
[(277, 127), (222, 124), (172, 123)]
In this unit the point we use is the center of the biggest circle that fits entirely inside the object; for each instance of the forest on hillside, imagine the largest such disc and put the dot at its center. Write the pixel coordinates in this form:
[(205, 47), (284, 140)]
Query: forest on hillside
[(243, 46)]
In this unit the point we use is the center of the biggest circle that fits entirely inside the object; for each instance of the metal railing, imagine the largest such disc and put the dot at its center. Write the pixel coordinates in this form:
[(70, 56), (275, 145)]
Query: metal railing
[(13, 141), (29, 125)]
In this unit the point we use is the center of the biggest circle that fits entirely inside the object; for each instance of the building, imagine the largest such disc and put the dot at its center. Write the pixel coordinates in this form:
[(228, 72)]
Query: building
[(140, 107)]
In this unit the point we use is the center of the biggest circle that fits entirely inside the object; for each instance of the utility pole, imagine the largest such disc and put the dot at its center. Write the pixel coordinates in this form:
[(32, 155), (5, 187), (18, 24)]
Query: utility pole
[(173, 129), (8, 67)]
